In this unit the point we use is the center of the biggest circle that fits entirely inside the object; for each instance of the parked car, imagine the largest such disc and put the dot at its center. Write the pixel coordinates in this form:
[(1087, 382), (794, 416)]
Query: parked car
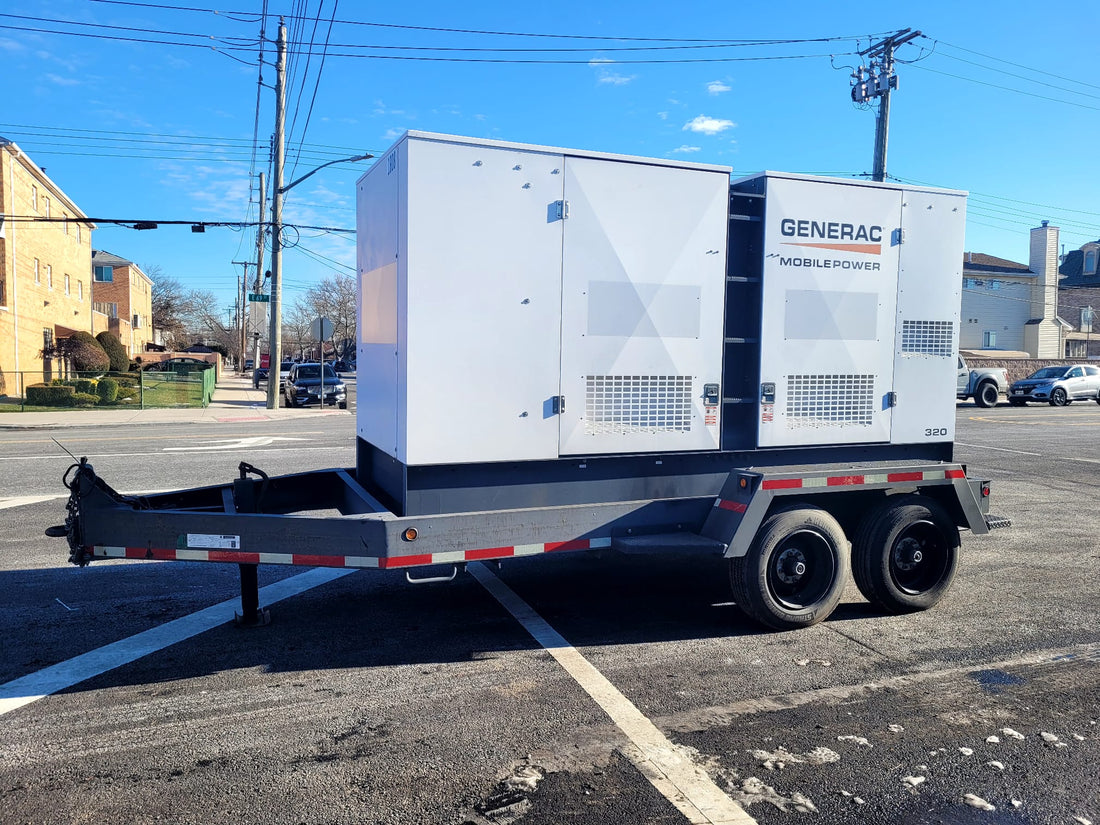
[(983, 384), (1058, 386), (304, 386), (343, 366)]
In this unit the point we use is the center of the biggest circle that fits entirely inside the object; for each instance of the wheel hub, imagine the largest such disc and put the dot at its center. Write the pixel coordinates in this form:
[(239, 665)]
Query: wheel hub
[(791, 565), (908, 554)]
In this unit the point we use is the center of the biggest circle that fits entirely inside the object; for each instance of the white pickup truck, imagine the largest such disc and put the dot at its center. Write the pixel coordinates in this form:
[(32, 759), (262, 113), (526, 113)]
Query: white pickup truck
[(984, 384)]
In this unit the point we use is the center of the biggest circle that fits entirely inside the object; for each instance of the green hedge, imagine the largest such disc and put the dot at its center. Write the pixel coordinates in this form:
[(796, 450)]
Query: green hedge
[(85, 399), (50, 395), (106, 390)]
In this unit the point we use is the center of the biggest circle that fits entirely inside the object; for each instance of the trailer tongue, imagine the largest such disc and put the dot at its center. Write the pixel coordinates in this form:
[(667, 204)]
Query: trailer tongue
[(569, 351)]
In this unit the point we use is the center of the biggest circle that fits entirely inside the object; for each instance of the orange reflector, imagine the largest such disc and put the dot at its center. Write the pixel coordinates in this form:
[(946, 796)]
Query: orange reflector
[(411, 534), (744, 482)]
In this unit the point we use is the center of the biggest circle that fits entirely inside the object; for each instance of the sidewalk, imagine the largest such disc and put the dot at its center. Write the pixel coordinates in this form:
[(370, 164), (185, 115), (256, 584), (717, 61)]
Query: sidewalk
[(234, 401)]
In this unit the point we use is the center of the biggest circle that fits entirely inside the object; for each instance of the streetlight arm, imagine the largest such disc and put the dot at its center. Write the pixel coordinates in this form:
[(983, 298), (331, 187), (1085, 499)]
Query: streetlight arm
[(294, 183)]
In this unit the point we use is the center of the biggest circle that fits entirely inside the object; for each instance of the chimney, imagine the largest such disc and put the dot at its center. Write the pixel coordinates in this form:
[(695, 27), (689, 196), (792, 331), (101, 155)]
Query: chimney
[(1043, 261)]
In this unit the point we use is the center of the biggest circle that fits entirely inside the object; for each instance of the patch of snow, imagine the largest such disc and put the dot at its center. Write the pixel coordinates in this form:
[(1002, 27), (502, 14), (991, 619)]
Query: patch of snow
[(1078, 737), (977, 802), (1016, 803), (914, 781), (896, 728), (993, 740), (1082, 820), (995, 764), (1012, 733), (857, 800), (1048, 737), (966, 751), (754, 790), (526, 778), (859, 740), (782, 757)]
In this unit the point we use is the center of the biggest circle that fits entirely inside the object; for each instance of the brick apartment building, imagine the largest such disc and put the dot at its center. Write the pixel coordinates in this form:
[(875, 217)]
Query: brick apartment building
[(122, 301), (45, 268)]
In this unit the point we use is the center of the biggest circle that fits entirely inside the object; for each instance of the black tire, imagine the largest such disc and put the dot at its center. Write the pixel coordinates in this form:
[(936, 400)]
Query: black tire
[(905, 554), (1014, 402), (1058, 397), (987, 395), (1098, 398), (288, 401), (343, 405), (794, 572)]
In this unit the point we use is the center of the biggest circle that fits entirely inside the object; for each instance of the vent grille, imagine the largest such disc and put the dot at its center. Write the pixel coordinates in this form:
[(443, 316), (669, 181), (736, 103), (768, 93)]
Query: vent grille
[(927, 338), (830, 401), (622, 404)]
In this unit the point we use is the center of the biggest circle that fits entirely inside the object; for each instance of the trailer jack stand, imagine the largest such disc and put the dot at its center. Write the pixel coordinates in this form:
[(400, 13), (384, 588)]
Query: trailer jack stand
[(251, 614)]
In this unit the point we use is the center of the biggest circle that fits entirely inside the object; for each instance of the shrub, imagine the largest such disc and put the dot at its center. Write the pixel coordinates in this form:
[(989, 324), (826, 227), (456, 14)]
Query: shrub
[(50, 395), (107, 390), (85, 399), (87, 353), (120, 361), (84, 385), (126, 393)]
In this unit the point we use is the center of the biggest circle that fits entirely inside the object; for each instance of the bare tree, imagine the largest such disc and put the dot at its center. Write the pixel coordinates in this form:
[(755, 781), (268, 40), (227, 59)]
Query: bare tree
[(335, 298), (296, 323)]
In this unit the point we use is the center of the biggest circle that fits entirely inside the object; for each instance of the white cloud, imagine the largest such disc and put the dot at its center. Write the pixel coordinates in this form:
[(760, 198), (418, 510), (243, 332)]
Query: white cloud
[(708, 125), (685, 149), (600, 61), (11, 45), (716, 87), (663, 115), (58, 80), (617, 79), (393, 134)]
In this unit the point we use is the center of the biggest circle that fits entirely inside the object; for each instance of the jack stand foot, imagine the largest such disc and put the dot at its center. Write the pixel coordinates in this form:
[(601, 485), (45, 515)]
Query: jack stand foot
[(261, 618)]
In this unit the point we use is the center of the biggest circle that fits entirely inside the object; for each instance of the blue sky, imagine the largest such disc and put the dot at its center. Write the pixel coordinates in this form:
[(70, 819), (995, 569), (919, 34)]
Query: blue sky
[(1001, 99)]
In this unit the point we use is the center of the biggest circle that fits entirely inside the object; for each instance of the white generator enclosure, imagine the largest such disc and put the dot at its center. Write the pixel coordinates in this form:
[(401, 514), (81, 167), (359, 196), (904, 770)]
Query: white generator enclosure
[(522, 302), (859, 316)]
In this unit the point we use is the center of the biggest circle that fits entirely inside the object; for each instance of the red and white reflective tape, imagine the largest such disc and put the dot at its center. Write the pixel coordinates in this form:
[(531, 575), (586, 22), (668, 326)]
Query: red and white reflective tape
[(861, 479), (311, 560), (858, 480)]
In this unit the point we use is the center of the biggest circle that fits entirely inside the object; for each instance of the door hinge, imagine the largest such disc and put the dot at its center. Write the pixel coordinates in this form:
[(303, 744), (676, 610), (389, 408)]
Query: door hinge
[(561, 210), (891, 399), (558, 405)]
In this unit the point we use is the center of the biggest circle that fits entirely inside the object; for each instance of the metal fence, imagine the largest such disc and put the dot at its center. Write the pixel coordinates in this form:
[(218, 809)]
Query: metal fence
[(180, 386)]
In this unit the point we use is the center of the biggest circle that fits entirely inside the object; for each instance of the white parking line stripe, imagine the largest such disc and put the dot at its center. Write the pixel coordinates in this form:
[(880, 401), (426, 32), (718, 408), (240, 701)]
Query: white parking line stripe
[(998, 449), (34, 686), (669, 768)]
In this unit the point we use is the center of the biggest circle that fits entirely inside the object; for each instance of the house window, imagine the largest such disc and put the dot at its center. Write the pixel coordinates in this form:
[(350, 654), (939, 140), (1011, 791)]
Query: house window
[(65, 224), (1090, 262), (137, 322), (34, 197), (45, 206), (80, 290), (47, 339), (78, 233), (67, 284), (989, 339), (105, 274), (37, 272), (1086, 319), (49, 275)]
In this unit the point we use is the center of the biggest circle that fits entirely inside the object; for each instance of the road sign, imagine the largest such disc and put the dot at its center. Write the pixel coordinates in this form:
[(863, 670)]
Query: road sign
[(321, 329), (259, 297)]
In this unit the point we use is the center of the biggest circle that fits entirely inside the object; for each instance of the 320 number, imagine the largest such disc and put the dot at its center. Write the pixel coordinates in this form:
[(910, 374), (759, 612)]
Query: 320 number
[(932, 432)]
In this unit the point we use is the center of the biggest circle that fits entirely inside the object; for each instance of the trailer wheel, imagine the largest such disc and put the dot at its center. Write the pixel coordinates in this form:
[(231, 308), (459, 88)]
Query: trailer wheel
[(794, 572), (987, 395), (905, 554)]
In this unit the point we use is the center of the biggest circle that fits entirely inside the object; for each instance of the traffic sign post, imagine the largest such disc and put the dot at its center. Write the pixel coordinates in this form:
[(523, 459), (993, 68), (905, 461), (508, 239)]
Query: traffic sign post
[(259, 297)]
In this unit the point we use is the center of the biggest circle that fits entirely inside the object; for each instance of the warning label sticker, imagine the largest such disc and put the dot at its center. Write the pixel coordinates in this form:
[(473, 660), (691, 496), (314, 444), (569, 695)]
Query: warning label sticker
[(209, 541)]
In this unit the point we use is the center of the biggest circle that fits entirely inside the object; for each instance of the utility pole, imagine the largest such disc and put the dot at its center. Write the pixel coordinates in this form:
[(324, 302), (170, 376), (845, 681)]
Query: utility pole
[(242, 296), (878, 80), (275, 334), (258, 287)]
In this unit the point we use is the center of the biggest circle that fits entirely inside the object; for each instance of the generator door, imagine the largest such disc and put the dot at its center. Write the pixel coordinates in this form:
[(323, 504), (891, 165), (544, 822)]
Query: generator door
[(644, 255), (829, 294)]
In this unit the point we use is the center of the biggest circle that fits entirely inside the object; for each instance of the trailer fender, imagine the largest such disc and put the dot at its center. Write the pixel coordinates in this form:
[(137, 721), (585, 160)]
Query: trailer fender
[(738, 512)]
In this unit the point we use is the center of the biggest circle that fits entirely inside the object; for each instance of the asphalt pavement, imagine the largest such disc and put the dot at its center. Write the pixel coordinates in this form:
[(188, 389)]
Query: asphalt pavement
[(371, 700)]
